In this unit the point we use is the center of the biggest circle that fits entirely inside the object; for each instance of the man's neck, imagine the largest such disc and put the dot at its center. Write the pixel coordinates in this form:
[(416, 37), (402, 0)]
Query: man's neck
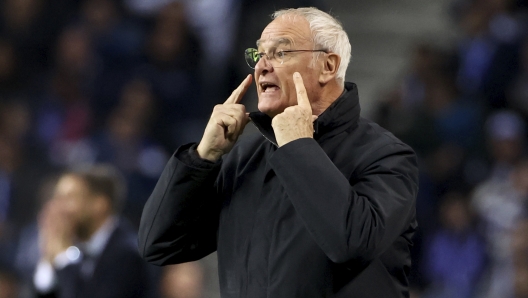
[(328, 95), (95, 225)]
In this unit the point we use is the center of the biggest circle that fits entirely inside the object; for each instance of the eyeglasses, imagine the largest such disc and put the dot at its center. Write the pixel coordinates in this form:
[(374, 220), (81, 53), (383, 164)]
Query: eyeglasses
[(253, 56)]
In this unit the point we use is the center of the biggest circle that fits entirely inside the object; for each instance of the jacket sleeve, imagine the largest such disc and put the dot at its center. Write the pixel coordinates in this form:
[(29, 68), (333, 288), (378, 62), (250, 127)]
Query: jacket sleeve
[(179, 222), (350, 218)]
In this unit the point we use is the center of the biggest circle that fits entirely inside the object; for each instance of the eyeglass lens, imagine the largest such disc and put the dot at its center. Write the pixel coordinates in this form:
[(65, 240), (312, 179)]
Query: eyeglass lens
[(252, 57)]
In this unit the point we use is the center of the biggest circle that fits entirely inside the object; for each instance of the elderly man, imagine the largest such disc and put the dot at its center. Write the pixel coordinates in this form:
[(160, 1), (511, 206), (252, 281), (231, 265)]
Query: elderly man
[(321, 203)]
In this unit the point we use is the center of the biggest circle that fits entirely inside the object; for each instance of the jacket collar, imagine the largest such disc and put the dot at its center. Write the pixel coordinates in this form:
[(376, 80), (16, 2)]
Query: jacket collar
[(341, 115)]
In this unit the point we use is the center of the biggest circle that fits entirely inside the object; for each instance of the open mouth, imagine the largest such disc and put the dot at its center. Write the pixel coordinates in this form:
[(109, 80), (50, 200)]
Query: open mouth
[(269, 87)]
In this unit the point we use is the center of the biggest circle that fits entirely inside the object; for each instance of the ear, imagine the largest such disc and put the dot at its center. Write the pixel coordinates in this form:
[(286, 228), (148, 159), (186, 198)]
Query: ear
[(330, 67)]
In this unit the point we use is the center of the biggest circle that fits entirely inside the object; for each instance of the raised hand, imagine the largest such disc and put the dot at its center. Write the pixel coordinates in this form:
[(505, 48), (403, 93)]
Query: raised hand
[(56, 230), (296, 121), (226, 124)]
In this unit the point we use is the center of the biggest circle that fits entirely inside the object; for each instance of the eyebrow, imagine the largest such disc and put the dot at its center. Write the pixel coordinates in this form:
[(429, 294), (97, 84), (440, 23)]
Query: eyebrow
[(279, 41)]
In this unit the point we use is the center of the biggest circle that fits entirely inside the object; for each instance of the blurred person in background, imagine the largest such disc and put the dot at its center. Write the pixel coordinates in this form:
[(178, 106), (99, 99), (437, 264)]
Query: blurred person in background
[(22, 166), (117, 42), (397, 110), (170, 67), (117, 38), (11, 80), (214, 23), (87, 249), (518, 93), (455, 254), (32, 26), (428, 111), (489, 50), (501, 205), (126, 143), (506, 142), (64, 118)]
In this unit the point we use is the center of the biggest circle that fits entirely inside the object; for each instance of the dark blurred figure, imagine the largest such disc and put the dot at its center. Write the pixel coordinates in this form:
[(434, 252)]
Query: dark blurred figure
[(489, 50), (427, 109), (117, 39), (117, 42), (397, 110), (455, 121), (32, 25), (125, 142), (506, 143), (64, 118), (22, 166), (455, 254), (442, 124), (182, 281), (172, 55), (518, 94), (11, 80), (87, 250), (215, 24)]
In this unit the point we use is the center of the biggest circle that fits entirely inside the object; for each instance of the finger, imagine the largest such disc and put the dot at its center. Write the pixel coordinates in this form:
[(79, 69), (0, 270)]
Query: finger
[(237, 111), (227, 122), (239, 92), (302, 97), (232, 109)]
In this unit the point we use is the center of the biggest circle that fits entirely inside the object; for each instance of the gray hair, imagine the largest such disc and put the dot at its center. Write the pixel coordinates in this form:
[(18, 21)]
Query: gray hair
[(327, 33)]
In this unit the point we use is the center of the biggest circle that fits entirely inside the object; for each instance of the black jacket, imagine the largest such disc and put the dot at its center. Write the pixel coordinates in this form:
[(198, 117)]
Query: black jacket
[(119, 271), (331, 216)]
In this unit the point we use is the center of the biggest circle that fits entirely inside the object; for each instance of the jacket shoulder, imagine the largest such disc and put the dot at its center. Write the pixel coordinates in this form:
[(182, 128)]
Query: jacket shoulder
[(378, 138), (370, 144)]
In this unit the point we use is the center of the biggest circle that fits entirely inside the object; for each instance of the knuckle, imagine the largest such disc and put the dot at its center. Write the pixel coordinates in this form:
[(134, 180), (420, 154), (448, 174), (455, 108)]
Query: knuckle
[(241, 107), (291, 109)]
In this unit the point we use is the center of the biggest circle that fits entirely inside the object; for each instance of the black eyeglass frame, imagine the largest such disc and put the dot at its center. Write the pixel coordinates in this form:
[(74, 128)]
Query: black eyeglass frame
[(261, 54)]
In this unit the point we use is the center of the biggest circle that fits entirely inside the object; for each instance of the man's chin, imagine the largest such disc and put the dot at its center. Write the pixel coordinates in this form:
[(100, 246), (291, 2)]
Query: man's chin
[(270, 110)]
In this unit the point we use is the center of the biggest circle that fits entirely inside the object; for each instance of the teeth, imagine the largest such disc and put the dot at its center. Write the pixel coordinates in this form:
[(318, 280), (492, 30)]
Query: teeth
[(271, 89), (266, 86)]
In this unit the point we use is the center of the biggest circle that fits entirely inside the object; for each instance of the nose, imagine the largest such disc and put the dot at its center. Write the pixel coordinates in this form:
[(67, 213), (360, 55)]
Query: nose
[(263, 65)]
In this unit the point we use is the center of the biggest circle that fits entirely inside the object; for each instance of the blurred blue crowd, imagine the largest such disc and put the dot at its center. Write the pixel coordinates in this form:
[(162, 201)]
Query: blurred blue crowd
[(126, 82), (463, 107)]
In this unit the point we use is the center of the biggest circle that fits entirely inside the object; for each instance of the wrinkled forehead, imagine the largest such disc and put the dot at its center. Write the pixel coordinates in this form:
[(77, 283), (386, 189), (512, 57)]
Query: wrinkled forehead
[(282, 42), (286, 30), (275, 42)]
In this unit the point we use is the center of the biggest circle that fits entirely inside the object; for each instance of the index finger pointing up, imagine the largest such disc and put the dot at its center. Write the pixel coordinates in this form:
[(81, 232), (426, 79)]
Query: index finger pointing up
[(239, 92), (302, 97)]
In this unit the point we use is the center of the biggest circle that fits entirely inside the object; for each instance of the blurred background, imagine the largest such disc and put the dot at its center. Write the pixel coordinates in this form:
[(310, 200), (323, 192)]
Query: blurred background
[(127, 81)]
